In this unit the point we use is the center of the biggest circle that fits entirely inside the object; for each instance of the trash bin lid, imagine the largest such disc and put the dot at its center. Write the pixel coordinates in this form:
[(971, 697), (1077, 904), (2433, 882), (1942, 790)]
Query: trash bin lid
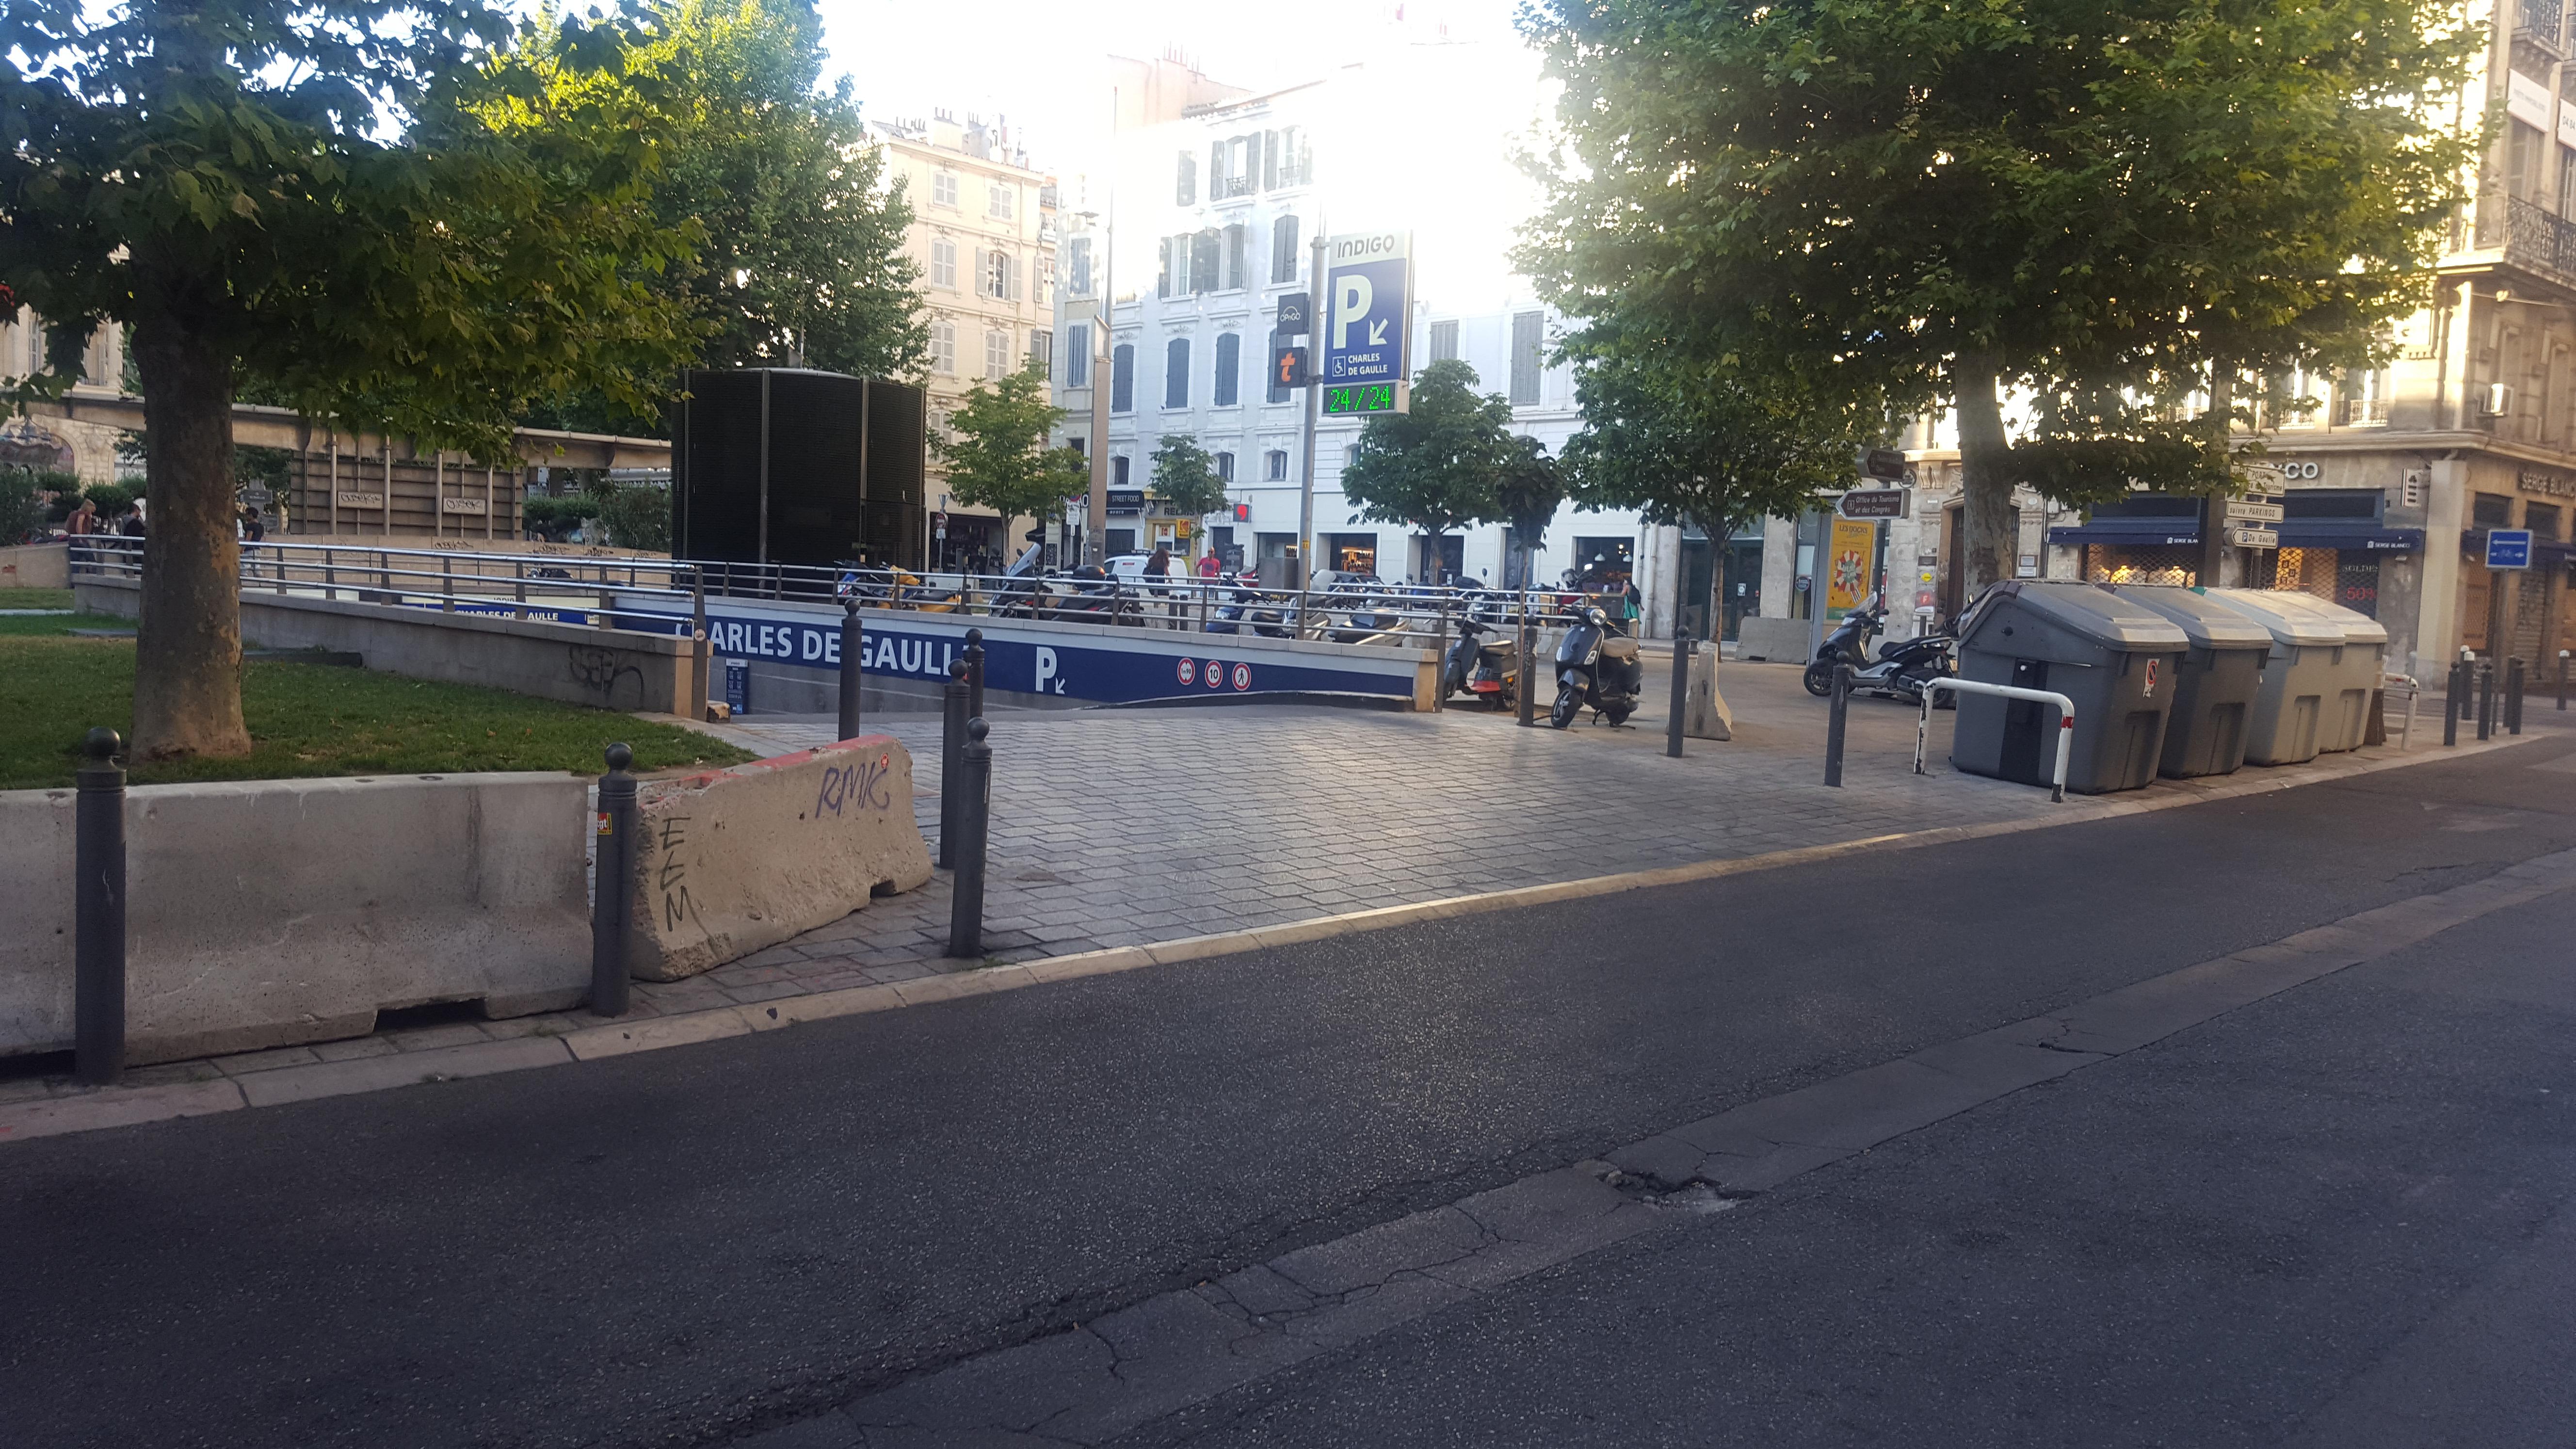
[(2357, 627), (2287, 615), (2087, 610), (2209, 623)]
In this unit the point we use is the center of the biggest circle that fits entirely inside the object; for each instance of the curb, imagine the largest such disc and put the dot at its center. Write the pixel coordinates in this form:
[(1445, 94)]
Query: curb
[(132, 1106)]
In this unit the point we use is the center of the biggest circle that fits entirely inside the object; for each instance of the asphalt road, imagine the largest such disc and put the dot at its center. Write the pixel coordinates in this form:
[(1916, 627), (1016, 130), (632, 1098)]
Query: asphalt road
[(2194, 1242)]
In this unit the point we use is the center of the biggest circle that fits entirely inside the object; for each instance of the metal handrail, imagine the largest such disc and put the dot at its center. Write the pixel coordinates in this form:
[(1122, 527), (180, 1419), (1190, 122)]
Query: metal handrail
[(2065, 719)]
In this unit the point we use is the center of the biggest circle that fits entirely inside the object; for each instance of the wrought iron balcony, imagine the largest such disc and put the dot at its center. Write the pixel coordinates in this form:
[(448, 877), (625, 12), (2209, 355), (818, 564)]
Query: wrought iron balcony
[(2529, 236), (2360, 411), (2541, 19)]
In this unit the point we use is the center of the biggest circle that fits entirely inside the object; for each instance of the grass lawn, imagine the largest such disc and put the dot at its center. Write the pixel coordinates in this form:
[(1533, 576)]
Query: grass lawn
[(312, 719), (35, 598)]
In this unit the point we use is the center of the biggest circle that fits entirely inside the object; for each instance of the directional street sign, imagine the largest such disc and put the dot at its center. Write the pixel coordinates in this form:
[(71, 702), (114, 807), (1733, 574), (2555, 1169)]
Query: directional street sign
[(2508, 548), (2243, 512), (2253, 538), (1872, 503), (1368, 286)]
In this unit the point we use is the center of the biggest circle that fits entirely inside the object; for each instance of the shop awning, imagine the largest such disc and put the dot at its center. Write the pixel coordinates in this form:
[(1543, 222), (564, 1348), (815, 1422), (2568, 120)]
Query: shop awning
[(2358, 534)]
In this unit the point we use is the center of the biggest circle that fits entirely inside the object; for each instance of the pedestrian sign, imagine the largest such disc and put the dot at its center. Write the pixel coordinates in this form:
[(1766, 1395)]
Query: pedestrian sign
[(2508, 548), (1365, 313)]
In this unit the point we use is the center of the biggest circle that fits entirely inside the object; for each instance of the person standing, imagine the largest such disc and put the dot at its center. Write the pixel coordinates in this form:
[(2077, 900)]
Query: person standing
[(82, 526)]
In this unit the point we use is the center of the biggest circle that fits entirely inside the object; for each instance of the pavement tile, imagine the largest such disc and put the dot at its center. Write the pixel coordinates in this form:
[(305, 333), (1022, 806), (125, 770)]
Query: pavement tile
[(244, 1063)]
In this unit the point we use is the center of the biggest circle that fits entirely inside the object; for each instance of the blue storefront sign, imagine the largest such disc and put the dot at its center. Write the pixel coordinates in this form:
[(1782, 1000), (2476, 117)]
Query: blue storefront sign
[(1153, 664)]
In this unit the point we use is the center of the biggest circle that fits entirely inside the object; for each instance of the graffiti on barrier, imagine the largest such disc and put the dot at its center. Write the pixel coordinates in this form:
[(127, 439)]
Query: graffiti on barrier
[(862, 783)]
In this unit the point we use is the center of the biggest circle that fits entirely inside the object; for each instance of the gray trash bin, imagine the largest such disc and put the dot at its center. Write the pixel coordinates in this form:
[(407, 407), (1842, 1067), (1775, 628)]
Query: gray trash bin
[(2114, 658), (2344, 713), (2216, 687), (2290, 720)]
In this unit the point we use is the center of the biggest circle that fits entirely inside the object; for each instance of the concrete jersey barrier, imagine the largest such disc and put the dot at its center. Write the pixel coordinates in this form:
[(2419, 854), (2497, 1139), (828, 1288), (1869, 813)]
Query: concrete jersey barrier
[(732, 861), (272, 912)]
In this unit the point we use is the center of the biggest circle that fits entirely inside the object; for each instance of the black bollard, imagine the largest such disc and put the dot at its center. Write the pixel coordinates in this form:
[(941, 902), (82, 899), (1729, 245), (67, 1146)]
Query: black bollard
[(974, 814), (1527, 682), (2486, 700), (952, 753), (1681, 694), (612, 896), (2562, 679), (1840, 711), (2513, 678), (2454, 699), (98, 946), (854, 653), (1440, 655), (974, 674)]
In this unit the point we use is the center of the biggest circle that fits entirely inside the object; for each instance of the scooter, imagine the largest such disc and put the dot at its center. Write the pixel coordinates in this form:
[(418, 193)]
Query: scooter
[(1489, 668), (1596, 666), (1900, 670)]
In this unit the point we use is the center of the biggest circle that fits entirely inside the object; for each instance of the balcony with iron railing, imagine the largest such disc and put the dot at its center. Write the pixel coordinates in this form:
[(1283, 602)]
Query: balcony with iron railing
[(2520, 234), (2543, 22)]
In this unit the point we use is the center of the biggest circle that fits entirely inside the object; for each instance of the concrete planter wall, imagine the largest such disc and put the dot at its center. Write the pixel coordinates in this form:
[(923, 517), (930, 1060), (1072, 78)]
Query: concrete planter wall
[(35, 566), (731, 861), (266, 913)]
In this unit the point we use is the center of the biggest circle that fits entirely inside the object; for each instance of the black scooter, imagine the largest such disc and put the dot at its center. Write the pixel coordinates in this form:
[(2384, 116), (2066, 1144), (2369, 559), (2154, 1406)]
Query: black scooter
[(1485, 662), (1596, 666), (1900, 670)]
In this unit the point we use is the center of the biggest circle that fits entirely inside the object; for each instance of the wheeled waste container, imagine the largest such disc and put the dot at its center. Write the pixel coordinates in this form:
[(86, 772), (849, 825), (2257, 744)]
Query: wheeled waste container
[(2357, 663), (2215, 689), (2290, 719), (2113, 657)]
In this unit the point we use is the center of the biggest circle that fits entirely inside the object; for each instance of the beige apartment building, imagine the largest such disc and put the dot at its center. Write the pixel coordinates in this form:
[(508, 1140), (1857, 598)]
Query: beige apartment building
[(984, 236)]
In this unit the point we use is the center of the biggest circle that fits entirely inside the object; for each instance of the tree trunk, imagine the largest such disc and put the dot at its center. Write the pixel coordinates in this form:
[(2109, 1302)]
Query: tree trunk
[(1986, 533), (187, 658)]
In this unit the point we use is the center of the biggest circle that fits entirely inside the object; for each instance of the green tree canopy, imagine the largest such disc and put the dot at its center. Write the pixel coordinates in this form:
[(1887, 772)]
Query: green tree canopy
[(1185, 477), (1527, 491), (313, 195), (1434, 468), (998, 457), (2093, 204)]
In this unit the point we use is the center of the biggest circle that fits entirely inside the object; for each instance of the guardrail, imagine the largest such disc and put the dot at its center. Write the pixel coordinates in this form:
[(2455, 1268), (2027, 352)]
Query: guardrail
[(2065, 720), (1340, 610)]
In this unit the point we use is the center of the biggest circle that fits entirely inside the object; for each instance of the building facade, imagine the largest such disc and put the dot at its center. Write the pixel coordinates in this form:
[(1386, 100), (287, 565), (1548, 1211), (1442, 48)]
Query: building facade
[(62, 444), (984, 234)]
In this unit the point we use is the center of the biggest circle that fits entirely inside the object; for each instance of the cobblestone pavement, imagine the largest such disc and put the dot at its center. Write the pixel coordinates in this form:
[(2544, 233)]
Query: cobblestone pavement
[(1121, 826)]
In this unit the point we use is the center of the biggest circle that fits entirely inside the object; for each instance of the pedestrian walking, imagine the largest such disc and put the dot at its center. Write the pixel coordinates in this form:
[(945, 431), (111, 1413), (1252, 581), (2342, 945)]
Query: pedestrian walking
[(1158, 570)]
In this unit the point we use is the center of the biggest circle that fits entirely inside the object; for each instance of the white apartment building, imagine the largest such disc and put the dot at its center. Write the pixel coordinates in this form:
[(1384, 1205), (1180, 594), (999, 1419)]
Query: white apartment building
[(1203, 219)]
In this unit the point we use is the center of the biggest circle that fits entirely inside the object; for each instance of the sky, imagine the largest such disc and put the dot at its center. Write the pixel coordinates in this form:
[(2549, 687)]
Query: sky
[(1037, 63)]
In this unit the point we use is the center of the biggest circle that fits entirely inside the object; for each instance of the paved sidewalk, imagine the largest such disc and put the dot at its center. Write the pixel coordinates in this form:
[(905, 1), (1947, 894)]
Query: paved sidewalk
[(1121, 827)]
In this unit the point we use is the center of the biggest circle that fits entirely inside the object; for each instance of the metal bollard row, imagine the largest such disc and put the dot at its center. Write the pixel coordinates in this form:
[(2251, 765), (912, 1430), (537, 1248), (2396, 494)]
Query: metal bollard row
[(1681, 694), (612, 896), (98, 947), (1835, 723), (853, 649), (975, 808), (954, 711)]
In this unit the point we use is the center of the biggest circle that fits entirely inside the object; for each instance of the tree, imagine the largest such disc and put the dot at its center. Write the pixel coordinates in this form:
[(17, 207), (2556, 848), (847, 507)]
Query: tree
[(311, 194), (800, 258), (2091, 204), (1435, 467), (1185, 477), (1686, 443), (998, 456), (1527, 491)]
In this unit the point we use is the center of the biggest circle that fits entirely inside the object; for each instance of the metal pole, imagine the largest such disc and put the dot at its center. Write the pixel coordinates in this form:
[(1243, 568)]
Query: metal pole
[(1529, 662), (98, 946), (2454, 693), (612, 901), (1681, 693), (974, 817), (1840, 710), (700, 654), (2486, 699), (2562, 679), (853, 660), (953, 714), (1318, 306), (1439, 651), (974, 674), (2513, 682)]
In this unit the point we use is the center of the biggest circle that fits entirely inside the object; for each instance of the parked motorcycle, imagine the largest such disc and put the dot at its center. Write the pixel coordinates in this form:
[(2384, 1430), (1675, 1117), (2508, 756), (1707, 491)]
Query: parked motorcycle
[(1485, 662), (1596, 667), (1900, 670)]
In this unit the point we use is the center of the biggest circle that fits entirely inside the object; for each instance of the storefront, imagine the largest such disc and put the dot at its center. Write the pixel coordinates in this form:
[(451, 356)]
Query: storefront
[(1352, 553), (2332, 545), (1601, 563)]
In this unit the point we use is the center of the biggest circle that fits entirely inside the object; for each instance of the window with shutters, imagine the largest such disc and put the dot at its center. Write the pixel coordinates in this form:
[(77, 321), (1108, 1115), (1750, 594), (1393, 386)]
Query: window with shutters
[(1229, 370), (1042, 351), (943, 188), (1444, 341), (1283, 249), (1118, 471), (1077, 266), (1237, 242), (1234, 166), (1274, 465), (1001, 276), (1286, 159), (1122, 378), (1185, 181), (1077, 355), (943, 263), (1206, 257), (1225, 467), (1526, 338), (997, 355), (943, 348), (1176, 373), (1001, 201)]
